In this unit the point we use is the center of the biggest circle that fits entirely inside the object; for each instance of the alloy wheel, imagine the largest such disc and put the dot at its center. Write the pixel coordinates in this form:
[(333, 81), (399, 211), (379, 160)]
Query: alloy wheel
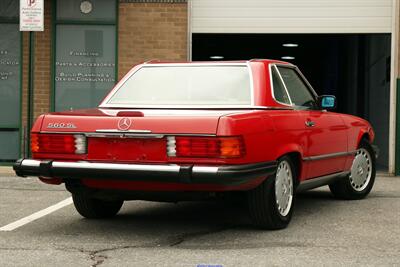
[(284, 188), (361, 170)]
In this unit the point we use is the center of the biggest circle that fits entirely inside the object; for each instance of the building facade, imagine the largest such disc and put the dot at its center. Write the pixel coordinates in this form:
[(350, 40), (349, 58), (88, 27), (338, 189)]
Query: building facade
[(348, 47)]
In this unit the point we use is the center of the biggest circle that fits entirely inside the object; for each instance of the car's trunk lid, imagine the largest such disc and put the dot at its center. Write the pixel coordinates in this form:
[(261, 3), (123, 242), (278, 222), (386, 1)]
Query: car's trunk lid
[(145, 121), (132, 135)]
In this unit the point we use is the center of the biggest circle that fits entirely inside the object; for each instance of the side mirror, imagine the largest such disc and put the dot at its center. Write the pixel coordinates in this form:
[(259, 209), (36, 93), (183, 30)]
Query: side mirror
[(327, 102)]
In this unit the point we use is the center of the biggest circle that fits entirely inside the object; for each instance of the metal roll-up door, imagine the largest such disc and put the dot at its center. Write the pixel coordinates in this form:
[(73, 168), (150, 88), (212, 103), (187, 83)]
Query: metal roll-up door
[(291, 16)]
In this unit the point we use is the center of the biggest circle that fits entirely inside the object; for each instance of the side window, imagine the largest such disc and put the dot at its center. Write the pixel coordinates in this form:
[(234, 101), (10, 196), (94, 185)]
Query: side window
[(278, 87), (298, 91)]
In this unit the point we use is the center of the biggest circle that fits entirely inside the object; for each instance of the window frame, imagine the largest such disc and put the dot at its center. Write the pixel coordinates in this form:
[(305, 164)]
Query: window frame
[(273, 66), (302, 78)]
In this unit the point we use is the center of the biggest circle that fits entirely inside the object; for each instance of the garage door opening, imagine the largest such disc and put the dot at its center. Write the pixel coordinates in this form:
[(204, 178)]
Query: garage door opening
[(354, 67)]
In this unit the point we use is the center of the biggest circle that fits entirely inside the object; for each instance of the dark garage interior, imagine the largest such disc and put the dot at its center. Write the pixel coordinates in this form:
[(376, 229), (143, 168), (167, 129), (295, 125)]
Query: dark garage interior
[(354, 67)]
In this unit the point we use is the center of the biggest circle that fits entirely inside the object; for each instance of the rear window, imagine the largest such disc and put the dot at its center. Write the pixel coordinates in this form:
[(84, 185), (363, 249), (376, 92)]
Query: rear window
[(186, 85)]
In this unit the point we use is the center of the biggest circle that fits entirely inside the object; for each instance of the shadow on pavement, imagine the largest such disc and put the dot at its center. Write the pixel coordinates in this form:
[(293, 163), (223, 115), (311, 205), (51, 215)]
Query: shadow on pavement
[(153, 218)]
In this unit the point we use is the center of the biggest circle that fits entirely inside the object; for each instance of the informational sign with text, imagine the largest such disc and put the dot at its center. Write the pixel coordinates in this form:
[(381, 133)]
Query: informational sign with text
[(31, 15), (84, 65)]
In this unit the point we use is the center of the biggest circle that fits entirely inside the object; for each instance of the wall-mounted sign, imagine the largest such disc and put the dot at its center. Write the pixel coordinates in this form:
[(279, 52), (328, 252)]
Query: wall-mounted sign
[(31, 16), (84, 65)]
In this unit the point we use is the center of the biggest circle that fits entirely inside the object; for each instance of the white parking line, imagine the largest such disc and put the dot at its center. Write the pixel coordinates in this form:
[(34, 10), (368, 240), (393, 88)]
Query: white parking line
[(36, 215)]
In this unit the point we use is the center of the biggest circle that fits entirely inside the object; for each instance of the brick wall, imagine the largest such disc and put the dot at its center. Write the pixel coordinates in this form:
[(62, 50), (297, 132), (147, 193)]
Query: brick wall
[(25, 60), (42, 82), (151, 31)]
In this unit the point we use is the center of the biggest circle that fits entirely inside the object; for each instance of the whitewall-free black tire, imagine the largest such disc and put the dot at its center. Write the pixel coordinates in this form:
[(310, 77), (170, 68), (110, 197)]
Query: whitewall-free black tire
[(271, 203), (360, 181), (93, 208)]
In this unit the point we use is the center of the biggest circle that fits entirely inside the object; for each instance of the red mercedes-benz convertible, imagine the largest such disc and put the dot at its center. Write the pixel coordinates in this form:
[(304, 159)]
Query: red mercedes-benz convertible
[(184, 131)]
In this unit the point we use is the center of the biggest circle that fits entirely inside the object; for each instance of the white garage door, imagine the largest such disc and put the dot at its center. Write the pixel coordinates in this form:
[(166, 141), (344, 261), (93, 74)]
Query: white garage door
[(291, 16)]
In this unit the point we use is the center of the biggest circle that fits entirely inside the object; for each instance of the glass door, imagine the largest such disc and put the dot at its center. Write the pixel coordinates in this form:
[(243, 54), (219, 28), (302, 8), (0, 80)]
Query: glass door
[(10, 82)]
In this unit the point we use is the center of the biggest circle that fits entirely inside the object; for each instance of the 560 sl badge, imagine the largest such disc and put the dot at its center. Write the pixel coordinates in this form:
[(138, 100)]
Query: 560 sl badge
[(61, 125)]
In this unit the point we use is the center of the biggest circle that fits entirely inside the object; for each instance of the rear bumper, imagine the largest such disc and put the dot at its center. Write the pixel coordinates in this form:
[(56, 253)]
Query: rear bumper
[(192, 174)]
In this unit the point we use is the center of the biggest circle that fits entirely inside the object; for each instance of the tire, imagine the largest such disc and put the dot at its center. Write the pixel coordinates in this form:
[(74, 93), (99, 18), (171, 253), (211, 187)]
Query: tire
[(92, 208), (360, 181), (264, 209)]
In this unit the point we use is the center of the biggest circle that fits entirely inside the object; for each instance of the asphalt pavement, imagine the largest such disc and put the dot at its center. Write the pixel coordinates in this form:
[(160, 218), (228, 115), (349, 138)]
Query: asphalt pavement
[(323, 231)]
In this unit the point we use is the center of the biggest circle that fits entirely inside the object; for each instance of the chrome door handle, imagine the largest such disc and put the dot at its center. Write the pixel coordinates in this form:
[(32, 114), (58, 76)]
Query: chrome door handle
[(310, 123)]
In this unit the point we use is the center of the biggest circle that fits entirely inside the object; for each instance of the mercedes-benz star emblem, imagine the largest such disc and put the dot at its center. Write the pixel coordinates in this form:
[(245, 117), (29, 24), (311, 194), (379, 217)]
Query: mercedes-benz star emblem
[(124, 124)]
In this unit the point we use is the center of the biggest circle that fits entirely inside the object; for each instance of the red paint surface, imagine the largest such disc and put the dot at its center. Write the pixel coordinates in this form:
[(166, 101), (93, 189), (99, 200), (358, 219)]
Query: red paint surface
[(267, 134)]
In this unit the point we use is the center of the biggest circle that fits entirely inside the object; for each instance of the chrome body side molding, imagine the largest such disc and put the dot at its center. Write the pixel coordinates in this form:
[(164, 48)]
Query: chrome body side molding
[(328, 156)]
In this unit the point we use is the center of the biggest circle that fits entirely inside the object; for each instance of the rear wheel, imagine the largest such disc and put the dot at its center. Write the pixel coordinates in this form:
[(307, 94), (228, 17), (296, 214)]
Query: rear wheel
[(92, 208), (359, 182), (271, 203)]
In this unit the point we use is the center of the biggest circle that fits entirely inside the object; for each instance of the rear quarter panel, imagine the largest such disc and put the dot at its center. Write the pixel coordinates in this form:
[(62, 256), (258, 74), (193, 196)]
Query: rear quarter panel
[(268, 134)]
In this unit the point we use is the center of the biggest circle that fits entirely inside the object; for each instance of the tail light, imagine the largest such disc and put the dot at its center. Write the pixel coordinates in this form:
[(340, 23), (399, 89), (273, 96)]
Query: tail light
[(205, 147), (58, 143)]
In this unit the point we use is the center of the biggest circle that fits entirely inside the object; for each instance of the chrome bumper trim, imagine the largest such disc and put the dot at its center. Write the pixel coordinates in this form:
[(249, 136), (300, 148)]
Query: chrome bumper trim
[(223, 174), (115, 166)]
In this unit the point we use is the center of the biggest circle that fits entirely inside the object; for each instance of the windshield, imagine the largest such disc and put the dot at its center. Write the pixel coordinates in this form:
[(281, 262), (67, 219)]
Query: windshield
[(186, 85)]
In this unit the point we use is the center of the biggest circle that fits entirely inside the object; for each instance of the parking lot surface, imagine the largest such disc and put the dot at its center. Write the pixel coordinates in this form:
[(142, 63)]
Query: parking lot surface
[(323, 231)]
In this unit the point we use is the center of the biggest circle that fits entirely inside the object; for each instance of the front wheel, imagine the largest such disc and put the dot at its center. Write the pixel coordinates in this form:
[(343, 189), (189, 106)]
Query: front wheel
[(359, 182), (93, 208), (271, 203)]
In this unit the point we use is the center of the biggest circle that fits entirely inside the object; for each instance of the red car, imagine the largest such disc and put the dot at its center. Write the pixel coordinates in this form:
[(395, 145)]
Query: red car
[(185, 131)]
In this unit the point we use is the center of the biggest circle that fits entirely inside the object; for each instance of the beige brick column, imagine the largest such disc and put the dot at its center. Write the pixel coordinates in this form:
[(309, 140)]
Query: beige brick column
[(42, 65), (151, 31)]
